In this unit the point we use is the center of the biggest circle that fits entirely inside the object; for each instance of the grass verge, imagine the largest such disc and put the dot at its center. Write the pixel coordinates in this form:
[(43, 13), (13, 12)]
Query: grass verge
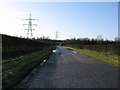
[(15, 69), (102, 56)]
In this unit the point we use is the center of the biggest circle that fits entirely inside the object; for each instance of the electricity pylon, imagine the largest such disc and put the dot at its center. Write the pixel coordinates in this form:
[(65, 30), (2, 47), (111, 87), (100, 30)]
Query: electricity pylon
[(56, 35), (30, 29)]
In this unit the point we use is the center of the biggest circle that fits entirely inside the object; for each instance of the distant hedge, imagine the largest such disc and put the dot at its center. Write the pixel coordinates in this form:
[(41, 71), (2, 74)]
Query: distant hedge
[(110, 48)]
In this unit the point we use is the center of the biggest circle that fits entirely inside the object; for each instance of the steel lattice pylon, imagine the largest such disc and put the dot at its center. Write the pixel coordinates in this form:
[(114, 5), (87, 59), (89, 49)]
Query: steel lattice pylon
[(30, 29), (56, 35)]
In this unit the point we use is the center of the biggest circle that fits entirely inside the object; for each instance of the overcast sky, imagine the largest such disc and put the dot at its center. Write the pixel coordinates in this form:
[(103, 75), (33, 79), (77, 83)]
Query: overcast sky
[(70, 19)]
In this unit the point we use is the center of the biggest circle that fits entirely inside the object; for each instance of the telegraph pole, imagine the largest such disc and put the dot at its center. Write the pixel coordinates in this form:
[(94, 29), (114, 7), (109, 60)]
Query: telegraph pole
[(30, 29)]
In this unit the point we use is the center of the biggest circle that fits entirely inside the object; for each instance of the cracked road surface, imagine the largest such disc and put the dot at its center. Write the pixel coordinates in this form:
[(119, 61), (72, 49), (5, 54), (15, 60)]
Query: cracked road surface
[(68, 69)]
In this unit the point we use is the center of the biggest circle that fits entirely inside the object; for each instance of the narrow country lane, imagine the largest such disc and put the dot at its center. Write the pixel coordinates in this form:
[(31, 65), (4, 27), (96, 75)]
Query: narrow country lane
[(68, 69)]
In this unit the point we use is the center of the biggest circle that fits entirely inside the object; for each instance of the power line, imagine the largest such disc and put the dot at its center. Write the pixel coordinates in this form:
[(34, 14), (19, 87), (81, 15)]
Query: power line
[(30, 29)]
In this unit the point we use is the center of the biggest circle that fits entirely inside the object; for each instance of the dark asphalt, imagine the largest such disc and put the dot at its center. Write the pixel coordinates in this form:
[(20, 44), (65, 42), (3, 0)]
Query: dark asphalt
[(68, 69)]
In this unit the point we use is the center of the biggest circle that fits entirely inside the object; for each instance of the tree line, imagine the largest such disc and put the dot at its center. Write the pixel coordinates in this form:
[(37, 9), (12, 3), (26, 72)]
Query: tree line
[(97, 44)]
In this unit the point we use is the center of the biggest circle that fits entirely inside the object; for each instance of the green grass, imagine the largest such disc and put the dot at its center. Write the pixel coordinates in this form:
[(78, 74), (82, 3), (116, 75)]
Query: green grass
[(15, 69), (102, 56)]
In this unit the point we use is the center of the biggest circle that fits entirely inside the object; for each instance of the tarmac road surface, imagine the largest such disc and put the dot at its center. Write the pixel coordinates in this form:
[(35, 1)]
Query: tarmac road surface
[(68, 69)]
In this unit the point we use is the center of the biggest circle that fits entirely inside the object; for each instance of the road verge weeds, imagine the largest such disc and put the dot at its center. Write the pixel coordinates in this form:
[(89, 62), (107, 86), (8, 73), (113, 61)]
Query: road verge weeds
[(102, 56), (15, 69)]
